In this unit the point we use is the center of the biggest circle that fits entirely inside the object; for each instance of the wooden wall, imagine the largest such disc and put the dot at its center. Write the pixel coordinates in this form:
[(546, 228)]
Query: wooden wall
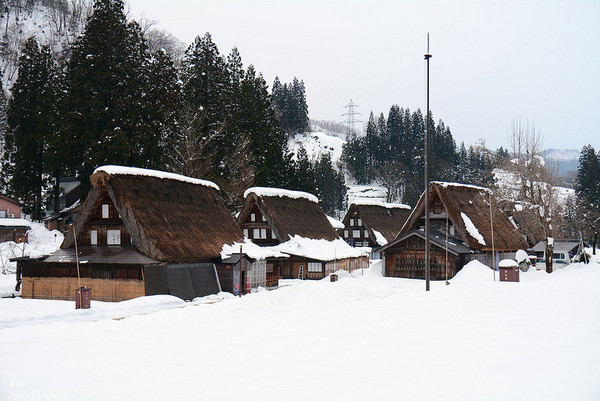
[(407, 259), (65, 287)]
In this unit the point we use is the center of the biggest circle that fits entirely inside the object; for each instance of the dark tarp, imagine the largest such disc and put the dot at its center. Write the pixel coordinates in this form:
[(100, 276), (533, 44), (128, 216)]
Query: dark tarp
[(186, 281)]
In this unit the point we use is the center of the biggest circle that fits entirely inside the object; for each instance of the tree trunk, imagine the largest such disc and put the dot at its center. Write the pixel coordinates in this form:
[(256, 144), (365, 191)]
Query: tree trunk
[(549, 252)]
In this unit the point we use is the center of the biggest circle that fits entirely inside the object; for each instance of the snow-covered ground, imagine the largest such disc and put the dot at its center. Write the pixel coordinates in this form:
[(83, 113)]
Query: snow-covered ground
[(318, 143), (364, 337)]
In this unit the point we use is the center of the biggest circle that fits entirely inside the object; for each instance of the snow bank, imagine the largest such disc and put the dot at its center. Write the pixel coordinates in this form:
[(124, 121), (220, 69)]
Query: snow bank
[(25, 312), (283, 193), (123, 170), (471, 229)]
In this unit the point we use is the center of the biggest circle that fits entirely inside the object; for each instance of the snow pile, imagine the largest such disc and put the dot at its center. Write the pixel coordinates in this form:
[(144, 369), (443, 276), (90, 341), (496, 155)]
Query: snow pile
[(379, 238), (508, 263), (283, 193), (335, 223), (123, 170), (521, 256), (365, 193), (471, 229)]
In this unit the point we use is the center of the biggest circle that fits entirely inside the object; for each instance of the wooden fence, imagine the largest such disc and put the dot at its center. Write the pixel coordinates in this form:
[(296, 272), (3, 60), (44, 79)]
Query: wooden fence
[(65, 288)]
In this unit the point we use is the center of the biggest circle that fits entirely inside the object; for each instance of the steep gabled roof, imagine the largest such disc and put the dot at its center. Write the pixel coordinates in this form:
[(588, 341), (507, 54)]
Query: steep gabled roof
[(385, 218), (289, 213), (468, 208), (168, 216)]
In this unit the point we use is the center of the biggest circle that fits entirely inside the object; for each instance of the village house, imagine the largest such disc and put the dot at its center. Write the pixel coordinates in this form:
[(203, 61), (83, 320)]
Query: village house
[(373, 224), (139, 232), (12, 226), (293, 223), (463, 227)]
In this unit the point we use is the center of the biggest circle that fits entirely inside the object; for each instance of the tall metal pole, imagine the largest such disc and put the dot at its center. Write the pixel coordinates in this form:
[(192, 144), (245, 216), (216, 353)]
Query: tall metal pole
[(427, 225)]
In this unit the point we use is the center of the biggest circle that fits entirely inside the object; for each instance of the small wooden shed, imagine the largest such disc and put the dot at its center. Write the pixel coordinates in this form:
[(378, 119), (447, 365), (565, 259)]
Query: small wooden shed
[(139, 232)]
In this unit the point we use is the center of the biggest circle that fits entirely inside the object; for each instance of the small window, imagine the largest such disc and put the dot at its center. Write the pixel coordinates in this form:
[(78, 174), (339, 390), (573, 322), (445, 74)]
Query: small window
[(355, 233), (263, 218), (351, 222), (366, 234), (359, 223), (105, 211), (315, 267), (256, 233), (252, 216), (94, 237), (245, 233), (346, 234), (263, 233), (2, 213), (113, 237), (273, 235)]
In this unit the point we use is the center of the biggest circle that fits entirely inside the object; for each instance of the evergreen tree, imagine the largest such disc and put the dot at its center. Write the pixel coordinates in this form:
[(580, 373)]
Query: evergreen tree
[(330, 186), (587, 184), (105, 101), (289, 102), (29, 117), (3, 132), (304, 178)]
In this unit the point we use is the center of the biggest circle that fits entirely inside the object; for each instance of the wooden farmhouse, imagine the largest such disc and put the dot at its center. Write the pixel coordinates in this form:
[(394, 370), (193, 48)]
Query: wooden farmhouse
[(14, 230), (139, 232), (461, 231), (293, 223), (373, 224)]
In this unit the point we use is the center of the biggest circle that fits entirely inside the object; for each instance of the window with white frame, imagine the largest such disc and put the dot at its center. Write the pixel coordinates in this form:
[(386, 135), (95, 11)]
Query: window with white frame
[(245, 233), (252, 216), (351, 222), (359, 223), (263, 218), (315, 267), (263, 233), (113, 237), (366, 234), (105, 211), (346, 233), (256, 233), (93, 237), (2, 213), (273, 235), (355, 233)]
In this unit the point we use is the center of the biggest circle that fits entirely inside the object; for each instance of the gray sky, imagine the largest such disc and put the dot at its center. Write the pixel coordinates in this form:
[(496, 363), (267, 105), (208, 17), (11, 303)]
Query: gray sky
[(493, 61)]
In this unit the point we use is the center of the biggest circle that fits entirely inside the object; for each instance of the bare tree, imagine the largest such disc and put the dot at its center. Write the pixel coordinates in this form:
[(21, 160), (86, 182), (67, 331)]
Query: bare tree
[(536, 180)]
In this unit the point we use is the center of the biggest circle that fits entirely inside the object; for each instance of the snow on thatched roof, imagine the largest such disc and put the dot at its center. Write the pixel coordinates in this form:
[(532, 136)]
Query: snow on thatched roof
[(168, 216), (123, 170), (475, 230), (283, 193), (288, 216), (380, 218), (373, 202), (319, 249), (335, 223)]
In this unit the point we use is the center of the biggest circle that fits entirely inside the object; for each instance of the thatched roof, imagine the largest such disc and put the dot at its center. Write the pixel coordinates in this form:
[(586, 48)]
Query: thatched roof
[(387, 219), (169, 217), (468, 209), (289, 213)]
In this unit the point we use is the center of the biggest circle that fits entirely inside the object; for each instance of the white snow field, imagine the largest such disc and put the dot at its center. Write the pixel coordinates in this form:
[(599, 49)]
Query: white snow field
[(364, 337)]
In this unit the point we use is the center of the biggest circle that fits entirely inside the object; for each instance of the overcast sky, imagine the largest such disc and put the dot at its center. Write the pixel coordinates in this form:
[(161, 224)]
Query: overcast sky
[(493, 61)]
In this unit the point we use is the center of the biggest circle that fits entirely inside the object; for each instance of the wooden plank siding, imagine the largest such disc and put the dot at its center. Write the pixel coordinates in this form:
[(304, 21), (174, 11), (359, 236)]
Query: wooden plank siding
[(64, 288)]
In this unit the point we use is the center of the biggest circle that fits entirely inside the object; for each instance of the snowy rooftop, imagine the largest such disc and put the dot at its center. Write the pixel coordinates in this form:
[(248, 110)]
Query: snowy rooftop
[(457, 184), (373, 202), (14, 223), (283, 193), (123, 170)]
